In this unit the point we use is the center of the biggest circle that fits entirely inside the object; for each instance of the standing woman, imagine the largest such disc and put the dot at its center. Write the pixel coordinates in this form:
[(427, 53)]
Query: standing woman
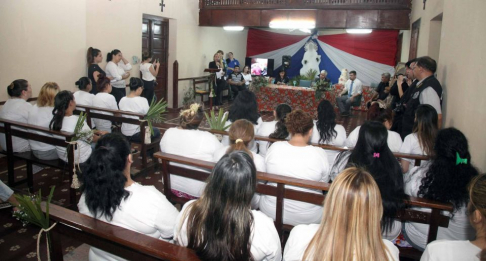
[(220, 225), (41, 115), (219, 79), (275, 129), (94, 57), (117, 73), (104, 99), (17, 109), (247, 76), (148, 75)]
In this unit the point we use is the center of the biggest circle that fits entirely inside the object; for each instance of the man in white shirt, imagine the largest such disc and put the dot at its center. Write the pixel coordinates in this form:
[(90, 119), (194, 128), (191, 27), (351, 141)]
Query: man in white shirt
[(353, 87)]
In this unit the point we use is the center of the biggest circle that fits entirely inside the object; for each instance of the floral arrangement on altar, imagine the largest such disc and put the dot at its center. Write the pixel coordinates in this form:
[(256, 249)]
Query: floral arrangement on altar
[(258, 82)]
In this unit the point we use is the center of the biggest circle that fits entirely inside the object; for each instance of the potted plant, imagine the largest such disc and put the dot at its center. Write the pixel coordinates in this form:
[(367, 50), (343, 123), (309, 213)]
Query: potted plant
[(257, 83), (307, 79), (218, 122)]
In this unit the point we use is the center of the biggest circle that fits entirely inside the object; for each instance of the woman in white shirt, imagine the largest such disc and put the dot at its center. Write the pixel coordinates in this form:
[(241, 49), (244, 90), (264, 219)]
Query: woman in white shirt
[(445, 178), (84, 95), (443, 250), (275, 129), (220, 225), (117, 68), (372, 152), (296, 159), (326, 131), (64, 120), (148, 75), (378, 112), (41, 115), (247, 76), (421, 140), (244, 107), (135, 103), (109, 194), (17, 109), (187, 141), (104, 99), (350, 226)]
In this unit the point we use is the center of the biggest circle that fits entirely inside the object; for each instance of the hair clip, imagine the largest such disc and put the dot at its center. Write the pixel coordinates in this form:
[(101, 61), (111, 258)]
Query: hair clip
[(376, 155), (238, 140), (460, 160)]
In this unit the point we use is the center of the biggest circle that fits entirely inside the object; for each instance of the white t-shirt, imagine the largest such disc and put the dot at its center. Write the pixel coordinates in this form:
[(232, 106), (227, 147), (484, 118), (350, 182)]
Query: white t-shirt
[(86, 99), (106, 101), (146, 74), (136, 104), (253, 145), (411, 145), (301, 235), (15, 110), (247, 78), (394, 140), (336, 141), (265, 129), (83, 151), (459, 227), (443, 250), (257, 159), (193, 144), (40, 117), (309, 163), (146, 211), (116, 71), (265, 242)]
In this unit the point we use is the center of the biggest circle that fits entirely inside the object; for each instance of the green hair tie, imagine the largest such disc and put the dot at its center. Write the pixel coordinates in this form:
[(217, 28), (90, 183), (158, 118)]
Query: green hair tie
[(460, 160)]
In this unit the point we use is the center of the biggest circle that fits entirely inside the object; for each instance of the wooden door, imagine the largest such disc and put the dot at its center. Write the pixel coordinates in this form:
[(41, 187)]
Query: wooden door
[(398, 55), (155, 40), (414, 40)]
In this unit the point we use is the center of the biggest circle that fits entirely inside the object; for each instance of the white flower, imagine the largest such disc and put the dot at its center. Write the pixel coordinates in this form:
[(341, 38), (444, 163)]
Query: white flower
[(14, 248)]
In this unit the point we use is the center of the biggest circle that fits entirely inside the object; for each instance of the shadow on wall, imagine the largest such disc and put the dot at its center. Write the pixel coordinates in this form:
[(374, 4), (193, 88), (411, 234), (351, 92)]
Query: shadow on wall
[(443, 82)]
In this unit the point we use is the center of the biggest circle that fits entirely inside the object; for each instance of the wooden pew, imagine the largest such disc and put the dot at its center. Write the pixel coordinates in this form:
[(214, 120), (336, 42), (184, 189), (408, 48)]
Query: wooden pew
[(29, 157), (434, 218), (110, 238)]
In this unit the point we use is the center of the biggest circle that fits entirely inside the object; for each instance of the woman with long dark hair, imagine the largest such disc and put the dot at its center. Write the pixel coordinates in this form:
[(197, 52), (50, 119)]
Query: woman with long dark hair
[(220, 225), (350, 225), (327, 131), (109, 194), (296, 159), (372, 153), (16, 108), (104, 99), (421, 140), (93, 58), (118, 68), (378, 112), (445, 179), (275, 129)]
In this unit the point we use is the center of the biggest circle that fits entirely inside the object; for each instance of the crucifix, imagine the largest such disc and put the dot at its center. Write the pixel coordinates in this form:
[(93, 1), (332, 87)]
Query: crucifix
[(162, 5), (424, 3)]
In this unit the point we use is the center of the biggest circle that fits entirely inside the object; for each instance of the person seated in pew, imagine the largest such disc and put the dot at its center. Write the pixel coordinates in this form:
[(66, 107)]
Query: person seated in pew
[(296, 159), (134, 102), (65, 120), (422, 139), (187, 141), (326, 131), (282, 78), (41, 115), (110, 195), (372, 152), (378, 112), (445, 179), (350, 227), (244, 107), (84, 95), (17, 109), (445, 250), (275, 129), (220, 225), (104, 99), (7, 195)]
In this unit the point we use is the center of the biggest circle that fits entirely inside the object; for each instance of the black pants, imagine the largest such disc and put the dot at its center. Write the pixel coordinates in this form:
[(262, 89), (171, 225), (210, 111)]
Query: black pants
[(218, 91), (118, 93), (148, 90), (237, 88)]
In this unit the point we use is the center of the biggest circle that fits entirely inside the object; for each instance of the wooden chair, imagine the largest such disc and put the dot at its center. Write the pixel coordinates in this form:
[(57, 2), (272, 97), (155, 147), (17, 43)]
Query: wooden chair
[(200, 92)]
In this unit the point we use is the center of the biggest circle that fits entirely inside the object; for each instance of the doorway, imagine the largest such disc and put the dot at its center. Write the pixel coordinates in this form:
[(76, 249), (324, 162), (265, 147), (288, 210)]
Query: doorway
[(155, 40), (435, 34)]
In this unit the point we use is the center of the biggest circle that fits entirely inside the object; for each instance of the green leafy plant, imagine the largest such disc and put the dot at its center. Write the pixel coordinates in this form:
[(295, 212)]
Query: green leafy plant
[(295, 79), (30, 210), (321, 86), (155, 113), (257, 83), (217, 122), (310, 75), (79, 133), (188, 96)]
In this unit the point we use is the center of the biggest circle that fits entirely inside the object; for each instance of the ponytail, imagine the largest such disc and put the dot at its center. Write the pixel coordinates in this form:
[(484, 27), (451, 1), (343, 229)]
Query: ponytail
[(241, 133), (83, 82), (91, 54), (61, 103), (109, 56), (281, 131)]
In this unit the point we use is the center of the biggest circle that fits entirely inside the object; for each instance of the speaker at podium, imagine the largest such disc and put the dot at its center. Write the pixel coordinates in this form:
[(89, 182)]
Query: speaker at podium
[(286, 61)]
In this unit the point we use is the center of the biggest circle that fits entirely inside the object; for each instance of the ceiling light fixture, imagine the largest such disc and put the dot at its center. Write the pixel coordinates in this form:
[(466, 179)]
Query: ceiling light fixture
[(287, 24), (358, 31), (233, 28)]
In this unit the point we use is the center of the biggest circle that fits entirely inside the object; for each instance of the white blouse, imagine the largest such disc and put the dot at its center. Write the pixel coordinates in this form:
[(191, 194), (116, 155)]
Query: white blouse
[(116, 72), (15, 110), (266, 128), (86, 99), (301, 235), (336, 141), (253, 144), (394, 140), (265, 242), (40, 117), (146, 211), (411, 145), (257, 159), (247, 78), (83, 151), (444, 250), (193, 144), (459, 227), (146, 74), (106, 101), (309, 163), (135, 104)]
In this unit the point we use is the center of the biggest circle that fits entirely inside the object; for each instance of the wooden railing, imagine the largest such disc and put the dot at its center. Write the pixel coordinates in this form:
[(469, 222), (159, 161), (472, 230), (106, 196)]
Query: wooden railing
[(304, 4)]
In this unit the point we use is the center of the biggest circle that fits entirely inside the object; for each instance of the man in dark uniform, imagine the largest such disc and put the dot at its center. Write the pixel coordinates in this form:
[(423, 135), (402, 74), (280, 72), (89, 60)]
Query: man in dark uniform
[(236, 81)]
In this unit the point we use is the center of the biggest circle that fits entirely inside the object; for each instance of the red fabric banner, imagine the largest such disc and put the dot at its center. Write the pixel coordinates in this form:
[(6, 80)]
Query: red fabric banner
[(260, 41)]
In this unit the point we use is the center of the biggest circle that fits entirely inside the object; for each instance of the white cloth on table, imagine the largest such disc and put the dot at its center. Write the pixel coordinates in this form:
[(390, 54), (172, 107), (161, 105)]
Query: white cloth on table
[(394, 140), (194, 144), (40, 116), (265, 242), (253, 144), (338, 141), (309, 163), (146, 210), (83, 150), (15, 110), (106, 101), (132, 104), (444, 250)]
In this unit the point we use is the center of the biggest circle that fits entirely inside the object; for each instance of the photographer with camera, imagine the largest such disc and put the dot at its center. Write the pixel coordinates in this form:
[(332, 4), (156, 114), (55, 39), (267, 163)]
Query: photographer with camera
[(401, 91)]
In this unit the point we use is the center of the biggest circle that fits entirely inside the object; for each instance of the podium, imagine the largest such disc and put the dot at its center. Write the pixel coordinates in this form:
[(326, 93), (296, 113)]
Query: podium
[(212, 80)]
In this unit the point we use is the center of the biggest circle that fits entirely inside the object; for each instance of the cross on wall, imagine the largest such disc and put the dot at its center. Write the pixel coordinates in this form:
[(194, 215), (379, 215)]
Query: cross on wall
[(162, 5)]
